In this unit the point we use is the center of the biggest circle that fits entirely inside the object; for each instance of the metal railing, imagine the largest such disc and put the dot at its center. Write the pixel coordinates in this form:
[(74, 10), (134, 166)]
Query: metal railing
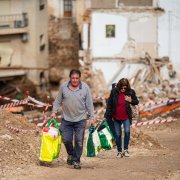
[(13, 23)]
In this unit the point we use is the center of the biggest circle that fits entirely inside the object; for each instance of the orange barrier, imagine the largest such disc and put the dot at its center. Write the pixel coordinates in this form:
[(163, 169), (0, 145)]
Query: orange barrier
[(159, 110), (15, 109)]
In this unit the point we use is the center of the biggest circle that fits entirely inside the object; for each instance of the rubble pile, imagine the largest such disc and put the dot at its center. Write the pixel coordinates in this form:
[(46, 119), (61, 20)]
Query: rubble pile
[(97, 84), (142, 140), (17, 148), (94, 78), (63, 47), (155, 81), (16, 88), (63, 56), (149, 82)]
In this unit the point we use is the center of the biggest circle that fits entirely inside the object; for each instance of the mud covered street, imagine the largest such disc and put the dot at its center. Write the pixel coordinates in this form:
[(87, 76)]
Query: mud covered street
[(155, 154)]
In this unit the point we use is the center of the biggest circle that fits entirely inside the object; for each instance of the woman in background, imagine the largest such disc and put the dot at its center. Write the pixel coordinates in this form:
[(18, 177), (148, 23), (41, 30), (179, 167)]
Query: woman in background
[(119, 109)]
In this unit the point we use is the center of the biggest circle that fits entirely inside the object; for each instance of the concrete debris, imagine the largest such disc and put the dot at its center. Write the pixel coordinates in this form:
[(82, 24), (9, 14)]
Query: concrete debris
[(94, 78), (140, 139), (15, 88), (16, 148), (63, 47), (7, 137), (64, 55), (150, 82)]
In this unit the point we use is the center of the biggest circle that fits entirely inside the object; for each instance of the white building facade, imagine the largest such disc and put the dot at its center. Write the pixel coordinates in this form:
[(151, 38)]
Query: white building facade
[(119, 33)]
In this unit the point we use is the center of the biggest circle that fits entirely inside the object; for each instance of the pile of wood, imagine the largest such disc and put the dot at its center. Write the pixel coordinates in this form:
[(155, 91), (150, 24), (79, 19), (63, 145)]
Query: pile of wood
[(150, 83), (16, 88)]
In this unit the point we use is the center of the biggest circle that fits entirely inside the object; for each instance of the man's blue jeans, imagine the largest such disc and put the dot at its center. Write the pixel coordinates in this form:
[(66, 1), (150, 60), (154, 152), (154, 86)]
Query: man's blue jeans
[(118, 130), (76, 130)]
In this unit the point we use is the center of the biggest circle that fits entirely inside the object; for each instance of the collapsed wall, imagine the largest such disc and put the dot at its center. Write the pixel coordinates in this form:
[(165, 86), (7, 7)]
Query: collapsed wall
[(63, 47)]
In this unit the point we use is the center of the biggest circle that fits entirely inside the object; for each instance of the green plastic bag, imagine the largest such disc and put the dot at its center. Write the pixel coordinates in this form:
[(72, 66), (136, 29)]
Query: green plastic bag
[(105, 135), (103, 125), (93, 144), (50, 146)]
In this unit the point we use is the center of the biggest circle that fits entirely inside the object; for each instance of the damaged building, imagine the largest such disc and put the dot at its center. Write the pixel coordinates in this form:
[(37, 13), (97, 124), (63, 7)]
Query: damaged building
[(23, 41), (63, 40), (118, 38), (107, 40), (117, 33)]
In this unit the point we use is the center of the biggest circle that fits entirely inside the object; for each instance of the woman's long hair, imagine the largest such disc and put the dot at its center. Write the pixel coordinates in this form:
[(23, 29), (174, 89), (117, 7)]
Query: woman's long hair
[(123, 82)]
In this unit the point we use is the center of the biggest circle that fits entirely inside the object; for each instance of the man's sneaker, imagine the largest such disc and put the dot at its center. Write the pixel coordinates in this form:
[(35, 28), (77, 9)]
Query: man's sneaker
[(76, 165), (126, 153), (69, 160), (119, 155)]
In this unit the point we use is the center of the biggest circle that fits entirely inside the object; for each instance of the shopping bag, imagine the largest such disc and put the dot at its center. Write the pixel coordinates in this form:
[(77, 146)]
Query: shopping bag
[(93, 144), (103, 125), (105, 135), (50, 142)]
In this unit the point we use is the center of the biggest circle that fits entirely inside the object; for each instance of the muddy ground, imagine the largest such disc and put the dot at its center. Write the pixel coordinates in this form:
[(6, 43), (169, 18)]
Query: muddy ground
[(155, 154)]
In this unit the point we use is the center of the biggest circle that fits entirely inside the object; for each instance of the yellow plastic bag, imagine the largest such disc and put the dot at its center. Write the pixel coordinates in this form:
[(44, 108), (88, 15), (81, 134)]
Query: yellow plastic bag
[(50, 147)]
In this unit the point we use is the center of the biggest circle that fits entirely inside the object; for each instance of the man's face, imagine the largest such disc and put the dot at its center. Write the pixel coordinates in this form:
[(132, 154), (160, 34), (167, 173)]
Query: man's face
[(75, 80)]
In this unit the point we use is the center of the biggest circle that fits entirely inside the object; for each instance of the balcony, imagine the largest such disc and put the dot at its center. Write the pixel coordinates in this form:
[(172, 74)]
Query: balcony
[(13, 24)]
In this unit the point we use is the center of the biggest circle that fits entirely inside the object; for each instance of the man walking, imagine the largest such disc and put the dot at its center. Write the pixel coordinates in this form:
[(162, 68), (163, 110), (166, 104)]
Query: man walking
[(76, 100)]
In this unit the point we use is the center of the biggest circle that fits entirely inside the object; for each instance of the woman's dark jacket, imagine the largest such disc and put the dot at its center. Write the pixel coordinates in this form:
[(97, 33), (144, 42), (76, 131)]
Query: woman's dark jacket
[(113, 100)]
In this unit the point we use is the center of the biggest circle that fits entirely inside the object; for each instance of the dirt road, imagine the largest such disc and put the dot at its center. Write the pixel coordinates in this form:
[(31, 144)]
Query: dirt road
[(150, 164)]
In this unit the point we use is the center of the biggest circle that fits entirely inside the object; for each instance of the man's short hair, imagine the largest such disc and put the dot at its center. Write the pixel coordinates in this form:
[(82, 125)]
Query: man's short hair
[(75, 71)]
